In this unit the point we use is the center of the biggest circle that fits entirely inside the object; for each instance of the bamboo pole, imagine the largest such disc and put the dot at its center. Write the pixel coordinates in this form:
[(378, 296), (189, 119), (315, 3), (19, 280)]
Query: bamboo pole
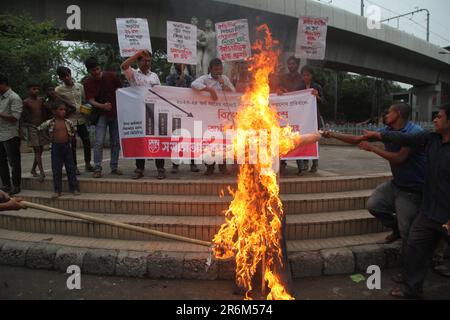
[(115, 224)]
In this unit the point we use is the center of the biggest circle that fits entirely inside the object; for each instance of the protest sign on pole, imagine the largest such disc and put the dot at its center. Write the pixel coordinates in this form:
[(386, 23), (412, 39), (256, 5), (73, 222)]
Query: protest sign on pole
[(311, 38), (233, 40), (150, 127), (181, 43), (133, 35)]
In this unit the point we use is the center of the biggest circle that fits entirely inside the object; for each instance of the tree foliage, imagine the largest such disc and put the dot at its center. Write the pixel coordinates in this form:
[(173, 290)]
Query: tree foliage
[(359, 97), (109, 58), (29, 52)]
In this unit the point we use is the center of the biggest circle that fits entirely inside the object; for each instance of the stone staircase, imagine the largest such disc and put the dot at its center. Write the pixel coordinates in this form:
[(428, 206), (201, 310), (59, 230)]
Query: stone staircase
[(322, 213)]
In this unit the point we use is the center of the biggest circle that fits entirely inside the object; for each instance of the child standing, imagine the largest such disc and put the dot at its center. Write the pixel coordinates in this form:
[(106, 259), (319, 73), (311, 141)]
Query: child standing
[(33, 116), (61, 131)]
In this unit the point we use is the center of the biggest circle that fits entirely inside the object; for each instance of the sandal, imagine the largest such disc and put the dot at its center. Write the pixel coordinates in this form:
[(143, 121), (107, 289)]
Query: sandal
[(399, 293), (137, 175), (97, 174), (442, 270), (117, 172)]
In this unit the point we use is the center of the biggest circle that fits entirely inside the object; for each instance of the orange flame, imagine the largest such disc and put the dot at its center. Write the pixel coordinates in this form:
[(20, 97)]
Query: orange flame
[(252, 230)]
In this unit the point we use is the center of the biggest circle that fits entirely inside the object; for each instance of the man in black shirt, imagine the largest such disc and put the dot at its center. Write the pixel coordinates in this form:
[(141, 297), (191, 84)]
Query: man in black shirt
[(433, 222)]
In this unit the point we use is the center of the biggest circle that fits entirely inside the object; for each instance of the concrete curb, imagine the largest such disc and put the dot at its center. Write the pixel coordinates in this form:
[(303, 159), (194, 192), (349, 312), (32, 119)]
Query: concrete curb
[(179, 265), (338, 261)]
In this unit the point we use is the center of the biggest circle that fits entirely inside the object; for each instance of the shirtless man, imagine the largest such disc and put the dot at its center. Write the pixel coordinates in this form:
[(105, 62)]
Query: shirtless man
[(34, 116)]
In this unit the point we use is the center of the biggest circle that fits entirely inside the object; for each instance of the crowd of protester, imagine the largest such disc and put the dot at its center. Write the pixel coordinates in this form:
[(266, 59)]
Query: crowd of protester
[(92, 104), (414, 204)]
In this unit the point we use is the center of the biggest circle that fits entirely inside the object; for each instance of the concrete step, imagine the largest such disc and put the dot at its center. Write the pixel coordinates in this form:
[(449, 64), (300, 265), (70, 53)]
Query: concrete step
[(176, 246), (178, 260), (211, 187), (164, 205), (299, 227)]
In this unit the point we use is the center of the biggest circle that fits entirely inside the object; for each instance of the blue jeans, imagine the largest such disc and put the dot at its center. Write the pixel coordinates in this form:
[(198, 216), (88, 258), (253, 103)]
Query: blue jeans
[(100, 132), (62, 155), (387, 200)]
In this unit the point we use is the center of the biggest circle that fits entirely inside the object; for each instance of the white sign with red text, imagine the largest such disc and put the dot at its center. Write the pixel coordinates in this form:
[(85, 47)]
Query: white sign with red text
[(150, 127), (133, 35), (233, 40), (181, 43), (311, 38)]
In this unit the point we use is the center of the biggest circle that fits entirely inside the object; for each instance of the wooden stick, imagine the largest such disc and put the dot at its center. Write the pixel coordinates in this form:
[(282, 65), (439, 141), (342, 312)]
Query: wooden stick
[(115, 224)]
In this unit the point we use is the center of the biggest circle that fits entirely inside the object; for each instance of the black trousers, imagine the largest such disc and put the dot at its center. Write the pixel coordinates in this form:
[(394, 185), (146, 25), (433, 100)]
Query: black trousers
[(422, 242), (140, 164), (10, 156), (83, 133)]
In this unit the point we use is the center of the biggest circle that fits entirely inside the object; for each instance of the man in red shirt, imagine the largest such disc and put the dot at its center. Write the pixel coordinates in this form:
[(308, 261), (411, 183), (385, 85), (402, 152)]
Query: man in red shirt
[(100, 89)]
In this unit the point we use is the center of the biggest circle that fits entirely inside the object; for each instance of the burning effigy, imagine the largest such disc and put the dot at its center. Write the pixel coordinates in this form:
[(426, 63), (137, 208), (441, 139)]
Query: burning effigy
[(253, 231)]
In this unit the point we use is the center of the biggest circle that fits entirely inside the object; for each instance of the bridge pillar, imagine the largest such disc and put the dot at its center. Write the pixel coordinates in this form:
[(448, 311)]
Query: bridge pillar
[(423, 105)]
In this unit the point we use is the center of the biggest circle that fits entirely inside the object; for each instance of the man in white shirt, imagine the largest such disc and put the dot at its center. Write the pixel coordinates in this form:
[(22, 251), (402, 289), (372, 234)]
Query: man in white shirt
[(213, 82), (142, 77), (11, 108), (74, 93)]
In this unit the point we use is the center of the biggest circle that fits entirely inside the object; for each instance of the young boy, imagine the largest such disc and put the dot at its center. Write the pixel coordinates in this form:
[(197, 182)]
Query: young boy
[(34, 116), (74, 92), (61, 131)]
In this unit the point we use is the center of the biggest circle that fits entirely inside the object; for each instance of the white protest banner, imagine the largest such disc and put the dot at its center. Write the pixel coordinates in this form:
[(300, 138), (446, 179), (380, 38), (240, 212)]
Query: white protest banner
[(311, 38), (233, 40), (181, 43), (133, 35), (149, 127)]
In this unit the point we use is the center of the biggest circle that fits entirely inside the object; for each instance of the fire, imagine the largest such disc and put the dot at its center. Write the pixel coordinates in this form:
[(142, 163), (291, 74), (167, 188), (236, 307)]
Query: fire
[(252, 231)]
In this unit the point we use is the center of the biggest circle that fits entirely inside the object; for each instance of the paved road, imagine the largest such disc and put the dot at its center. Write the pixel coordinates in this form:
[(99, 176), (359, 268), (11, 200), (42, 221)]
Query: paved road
[(22, 283)]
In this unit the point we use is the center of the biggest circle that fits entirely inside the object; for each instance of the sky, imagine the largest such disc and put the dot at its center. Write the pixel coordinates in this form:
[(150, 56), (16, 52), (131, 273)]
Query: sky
[(416, 25)]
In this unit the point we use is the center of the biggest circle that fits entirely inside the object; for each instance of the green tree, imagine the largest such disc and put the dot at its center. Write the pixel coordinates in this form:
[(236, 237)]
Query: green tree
[(109, 58), (107, 55), (359, 97), (29, 52)]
